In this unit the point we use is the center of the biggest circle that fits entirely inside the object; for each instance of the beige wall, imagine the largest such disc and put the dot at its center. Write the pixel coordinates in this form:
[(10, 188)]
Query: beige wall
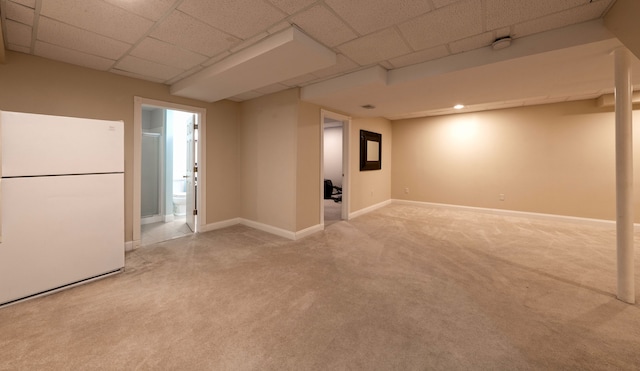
[(38, 85), (369, 187), (223, 161), (268, 159), (555, 159), (280, 156), (308, 166), (622, 21)]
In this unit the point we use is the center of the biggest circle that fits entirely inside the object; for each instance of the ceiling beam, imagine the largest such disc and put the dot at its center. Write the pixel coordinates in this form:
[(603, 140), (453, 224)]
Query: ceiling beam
[(622, 21), (285, 55)]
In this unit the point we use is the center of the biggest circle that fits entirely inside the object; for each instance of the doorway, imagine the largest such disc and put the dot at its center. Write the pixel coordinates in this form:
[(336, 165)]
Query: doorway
[(168, 171), (166, 137), (334, 168)]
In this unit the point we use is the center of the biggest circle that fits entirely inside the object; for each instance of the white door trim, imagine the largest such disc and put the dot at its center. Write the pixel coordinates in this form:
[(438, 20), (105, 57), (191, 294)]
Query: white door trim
[(201, 156), (346, 155)]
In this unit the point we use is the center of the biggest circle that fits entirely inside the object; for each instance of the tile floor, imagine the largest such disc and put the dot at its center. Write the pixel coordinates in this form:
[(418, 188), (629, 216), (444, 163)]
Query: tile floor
[(161, 231)]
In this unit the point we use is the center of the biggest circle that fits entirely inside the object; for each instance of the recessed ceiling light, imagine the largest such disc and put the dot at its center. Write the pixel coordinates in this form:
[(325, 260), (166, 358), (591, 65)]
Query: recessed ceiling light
[(458, 106)]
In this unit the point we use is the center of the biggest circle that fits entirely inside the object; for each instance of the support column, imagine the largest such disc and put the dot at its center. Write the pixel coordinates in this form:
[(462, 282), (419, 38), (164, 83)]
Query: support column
[(624, 176)]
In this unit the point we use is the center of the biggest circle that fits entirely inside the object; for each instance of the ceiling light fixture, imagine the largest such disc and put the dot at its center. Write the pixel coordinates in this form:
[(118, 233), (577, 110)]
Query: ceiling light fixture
[(458, 106), (501, 43), (368, 106)]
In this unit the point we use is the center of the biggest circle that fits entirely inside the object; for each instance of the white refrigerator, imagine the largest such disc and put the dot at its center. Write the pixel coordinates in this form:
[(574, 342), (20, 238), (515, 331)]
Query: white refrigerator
[(61, 202)]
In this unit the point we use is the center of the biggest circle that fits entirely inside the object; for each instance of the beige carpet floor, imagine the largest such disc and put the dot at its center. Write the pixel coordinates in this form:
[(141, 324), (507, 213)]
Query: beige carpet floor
[(401, 288)]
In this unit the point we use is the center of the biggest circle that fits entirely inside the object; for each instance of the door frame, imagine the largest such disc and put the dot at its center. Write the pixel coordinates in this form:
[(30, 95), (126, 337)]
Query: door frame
[(346, 155), (200, 159)]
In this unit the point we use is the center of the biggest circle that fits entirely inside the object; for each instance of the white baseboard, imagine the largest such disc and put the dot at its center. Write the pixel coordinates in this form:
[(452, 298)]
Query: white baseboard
[(309, 231), (129, 246), (369, 209), (263, 227), (522, 214), (169, 218), (132, 245), (219, 225), (268, 228), (151, 219)]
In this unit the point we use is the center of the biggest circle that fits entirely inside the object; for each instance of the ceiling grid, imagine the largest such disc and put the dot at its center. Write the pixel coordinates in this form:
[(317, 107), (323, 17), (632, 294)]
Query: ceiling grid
[(168, 41)]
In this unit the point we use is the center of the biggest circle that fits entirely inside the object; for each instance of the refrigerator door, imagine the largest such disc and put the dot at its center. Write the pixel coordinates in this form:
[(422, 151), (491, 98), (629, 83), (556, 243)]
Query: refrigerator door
[(59, 230), (51, 145)]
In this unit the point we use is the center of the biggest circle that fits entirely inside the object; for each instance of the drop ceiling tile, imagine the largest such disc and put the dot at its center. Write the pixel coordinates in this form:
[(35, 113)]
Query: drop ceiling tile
[(421, 56), (153, 10), (57, 33), (59, 53), (500, 13), (241, 18), (561, 19), (167, 54), (343, 64), (381, 45), (473, 42), (18, 33), (291, 6), (273, 88), (19, 13), (99, 17), (29, 3), (444, 25), (147, 69), (184, 30), (321, 24), (367, 16)]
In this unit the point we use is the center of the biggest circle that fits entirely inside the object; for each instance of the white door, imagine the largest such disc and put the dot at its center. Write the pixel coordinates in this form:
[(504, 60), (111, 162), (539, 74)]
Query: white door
[(191, 177)]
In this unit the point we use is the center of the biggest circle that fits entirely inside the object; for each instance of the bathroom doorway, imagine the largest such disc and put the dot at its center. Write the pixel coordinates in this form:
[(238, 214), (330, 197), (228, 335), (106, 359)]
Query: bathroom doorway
[(169, 151), (168, 147)]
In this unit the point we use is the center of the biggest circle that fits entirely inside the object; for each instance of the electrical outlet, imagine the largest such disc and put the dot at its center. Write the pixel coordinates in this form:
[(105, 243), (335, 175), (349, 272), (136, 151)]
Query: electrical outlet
[(501, 196), (406, 190)]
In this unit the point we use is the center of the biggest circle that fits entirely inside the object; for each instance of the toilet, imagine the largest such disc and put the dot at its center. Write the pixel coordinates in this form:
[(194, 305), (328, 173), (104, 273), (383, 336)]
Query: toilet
[(179, 198)]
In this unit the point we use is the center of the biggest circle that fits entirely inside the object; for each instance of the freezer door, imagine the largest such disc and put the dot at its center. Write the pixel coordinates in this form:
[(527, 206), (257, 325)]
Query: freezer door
[(44, 145), (59, 230)]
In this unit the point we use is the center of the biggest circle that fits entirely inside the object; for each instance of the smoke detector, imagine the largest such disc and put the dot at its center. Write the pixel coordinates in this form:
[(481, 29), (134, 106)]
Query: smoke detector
[(501, 43)]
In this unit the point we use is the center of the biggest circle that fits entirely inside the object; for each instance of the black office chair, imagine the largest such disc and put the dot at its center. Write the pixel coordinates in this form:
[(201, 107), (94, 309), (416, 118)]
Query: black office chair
[(332, 192)]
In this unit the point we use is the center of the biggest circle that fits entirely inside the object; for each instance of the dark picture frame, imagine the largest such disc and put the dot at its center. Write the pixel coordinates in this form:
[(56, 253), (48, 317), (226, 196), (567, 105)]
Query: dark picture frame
[(370, 150)]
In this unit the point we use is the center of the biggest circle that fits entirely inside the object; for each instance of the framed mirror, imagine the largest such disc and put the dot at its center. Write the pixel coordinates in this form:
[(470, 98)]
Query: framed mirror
[(370, 150)]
